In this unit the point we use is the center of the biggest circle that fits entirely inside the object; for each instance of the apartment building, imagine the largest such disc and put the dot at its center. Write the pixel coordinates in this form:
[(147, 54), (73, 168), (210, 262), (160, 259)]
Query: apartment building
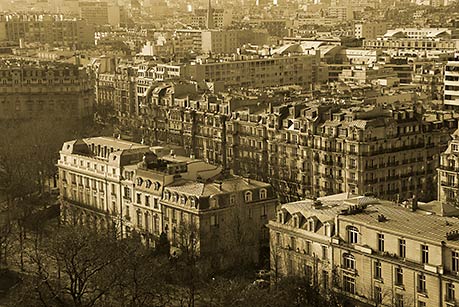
[(372, 252), (256, 71), (53, 30), (116, 185), (221, 18), (44, 90), (369, 30), (451, 83), (448, 177), (303, 149), (100, 13)]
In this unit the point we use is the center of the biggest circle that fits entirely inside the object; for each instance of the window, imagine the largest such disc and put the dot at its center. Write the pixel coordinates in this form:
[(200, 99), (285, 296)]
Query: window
[(455, 261), (349, 284), (213, 220), (352, 234), (380, 242), (183, 200), (325, 279), (292, 243), (308, 273), (263, 194), (421, 304), (127, 193), (402, 248), (450, 294), (278, 238), (378, 295), (147, 200), (248, 196), (138, 198), (232, 199), (378, 270), (424, 253), (324, 252), (349, 261), (307, 247), (399, 300), (421, 282), (398, 276), (139, 218), (148, 184)]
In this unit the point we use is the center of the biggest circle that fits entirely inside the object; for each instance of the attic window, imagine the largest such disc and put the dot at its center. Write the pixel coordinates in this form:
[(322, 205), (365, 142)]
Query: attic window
[(148, 183), (263, 194), (248, 196)]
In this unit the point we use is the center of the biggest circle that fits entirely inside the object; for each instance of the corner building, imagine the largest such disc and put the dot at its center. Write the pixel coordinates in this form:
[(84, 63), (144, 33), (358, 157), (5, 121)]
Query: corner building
[(371, 251), (115, 185)]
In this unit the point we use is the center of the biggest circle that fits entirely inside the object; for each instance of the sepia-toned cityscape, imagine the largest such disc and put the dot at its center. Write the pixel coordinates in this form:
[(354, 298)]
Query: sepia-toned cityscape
[(240, 153)]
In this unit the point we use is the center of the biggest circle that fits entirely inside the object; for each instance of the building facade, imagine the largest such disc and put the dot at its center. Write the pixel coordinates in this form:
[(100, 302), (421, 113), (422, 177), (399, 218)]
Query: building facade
[(372, 252), (45, 90), (115, 185), (53, 30)]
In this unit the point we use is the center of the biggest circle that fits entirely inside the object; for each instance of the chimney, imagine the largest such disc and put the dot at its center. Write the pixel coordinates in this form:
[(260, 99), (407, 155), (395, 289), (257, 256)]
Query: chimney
[(414, 203)]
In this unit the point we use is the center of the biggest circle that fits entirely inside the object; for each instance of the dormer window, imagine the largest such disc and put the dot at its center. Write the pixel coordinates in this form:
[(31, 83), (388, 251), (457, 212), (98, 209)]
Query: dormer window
[(174, 197), (263, 194), (248, 196), (183, 199), (148, 184), (139, 181), (352, 234), (167, 195), (157, 186), (193, 202)]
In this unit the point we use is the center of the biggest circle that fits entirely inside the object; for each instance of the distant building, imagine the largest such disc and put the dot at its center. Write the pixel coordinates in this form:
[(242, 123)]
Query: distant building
[(53, 30), (123, 186), (47, 91), (451, 81), (255, 71), (100, 13), (369, 30), (372, 252), (220, 18)]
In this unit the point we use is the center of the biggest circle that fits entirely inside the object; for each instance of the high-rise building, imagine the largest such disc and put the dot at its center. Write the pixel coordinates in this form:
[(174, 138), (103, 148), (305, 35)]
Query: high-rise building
[(53, 30), (451, 81), (100, 13)]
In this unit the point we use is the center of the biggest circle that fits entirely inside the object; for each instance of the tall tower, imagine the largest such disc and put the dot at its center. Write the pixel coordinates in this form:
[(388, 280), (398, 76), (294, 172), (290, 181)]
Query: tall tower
[(210, 16)]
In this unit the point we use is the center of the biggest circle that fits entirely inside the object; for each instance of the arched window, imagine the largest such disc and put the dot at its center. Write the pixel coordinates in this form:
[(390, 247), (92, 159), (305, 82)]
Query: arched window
[(148, 184), (183, 199), (193, 202), (263, 194), (248, 196), (174, 197), (352, 234), (157, 186), (349, 261), (139, 181), (167, 195)]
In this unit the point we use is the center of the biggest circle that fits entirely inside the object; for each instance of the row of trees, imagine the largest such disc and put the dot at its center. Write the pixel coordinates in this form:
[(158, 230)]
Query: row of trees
[(83, 268)]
